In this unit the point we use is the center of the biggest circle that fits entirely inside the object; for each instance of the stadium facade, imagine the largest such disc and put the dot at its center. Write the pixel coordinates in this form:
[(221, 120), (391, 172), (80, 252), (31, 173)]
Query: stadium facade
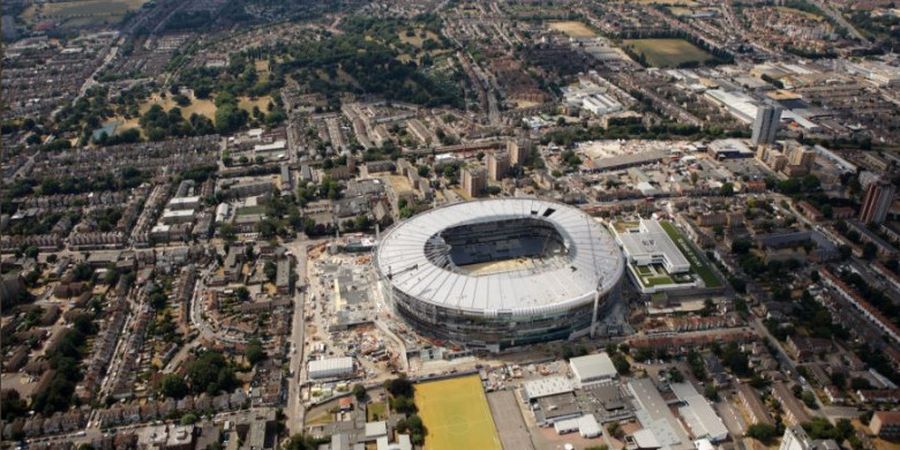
[(493, 274)]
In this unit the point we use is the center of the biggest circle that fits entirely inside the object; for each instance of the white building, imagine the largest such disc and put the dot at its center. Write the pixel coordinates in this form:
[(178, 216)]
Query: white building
[(545, 387), (593, 368), (650, 244), (180, 203), (330, 368), (699, 415)]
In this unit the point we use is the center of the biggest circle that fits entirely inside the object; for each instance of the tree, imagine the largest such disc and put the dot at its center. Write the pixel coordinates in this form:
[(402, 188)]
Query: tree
[(254, 351), (727, 190), (189, 419), (271, 270), (83, 272), (359, 391), (711, 392), (762, 432), (11, 405), (400, 387), (210, 373), (302, 442), (242, 294), (403, 405), (621, 363), (413, 426), (615, 430), (809, 399), (173, 386)]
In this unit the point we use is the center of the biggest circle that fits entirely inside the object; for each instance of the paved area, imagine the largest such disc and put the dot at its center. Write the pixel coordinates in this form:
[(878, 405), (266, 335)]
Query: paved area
[(508, 419)]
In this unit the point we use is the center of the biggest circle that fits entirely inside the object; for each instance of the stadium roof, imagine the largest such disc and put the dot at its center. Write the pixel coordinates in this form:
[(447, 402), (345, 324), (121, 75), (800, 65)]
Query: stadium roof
[(593, 262)]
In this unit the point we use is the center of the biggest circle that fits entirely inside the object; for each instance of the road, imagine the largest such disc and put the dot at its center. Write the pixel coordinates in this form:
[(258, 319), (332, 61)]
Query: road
[(837, 17), (294, 411)]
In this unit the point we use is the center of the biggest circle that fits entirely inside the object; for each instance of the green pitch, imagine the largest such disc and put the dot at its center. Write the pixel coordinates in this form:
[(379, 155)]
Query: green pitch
[(457, 415)]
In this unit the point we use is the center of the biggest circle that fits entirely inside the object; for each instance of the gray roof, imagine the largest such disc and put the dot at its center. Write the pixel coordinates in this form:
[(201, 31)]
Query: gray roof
[(593, 367), (593, 263)]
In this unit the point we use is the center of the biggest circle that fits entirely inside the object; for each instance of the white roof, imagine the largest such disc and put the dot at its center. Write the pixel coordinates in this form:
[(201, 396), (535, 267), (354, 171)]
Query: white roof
[(277, 145), (376, 429), (344, 363), (191, 199), (645, 439), (178, 212), (699, 414), (593, 262), (588, 426), (652, 239), (592, 367), (545, 387)]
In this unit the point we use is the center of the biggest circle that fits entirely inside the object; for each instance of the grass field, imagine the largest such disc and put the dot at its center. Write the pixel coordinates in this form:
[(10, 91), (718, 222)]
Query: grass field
[(376, 411), (573, 29), (668, 52), (663, 2), (698, 264), (457, 415), (81, 12)]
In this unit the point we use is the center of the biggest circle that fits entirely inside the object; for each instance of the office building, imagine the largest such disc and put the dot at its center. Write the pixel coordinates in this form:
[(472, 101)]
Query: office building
[(474, 180), (766, 125), (877, 202), (518, 152), (886, 424), (498, 165)]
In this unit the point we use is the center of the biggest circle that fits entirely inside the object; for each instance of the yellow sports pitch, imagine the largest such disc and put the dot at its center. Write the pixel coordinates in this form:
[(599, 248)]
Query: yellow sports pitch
[(457, 415)]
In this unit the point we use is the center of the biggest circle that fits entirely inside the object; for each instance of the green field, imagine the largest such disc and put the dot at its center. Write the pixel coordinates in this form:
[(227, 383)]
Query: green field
[(78, 13), (250, 210), (456, 415), (376, 411), (668, 52), (698, 264)]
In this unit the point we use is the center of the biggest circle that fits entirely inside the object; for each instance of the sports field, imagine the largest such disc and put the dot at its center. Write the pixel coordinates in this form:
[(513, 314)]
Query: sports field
[(573, 29), (81, 12), (456, 415), (668, 52)]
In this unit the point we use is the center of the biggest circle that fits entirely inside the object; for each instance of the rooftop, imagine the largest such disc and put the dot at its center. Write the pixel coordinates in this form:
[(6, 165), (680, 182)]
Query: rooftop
[(592, 261)]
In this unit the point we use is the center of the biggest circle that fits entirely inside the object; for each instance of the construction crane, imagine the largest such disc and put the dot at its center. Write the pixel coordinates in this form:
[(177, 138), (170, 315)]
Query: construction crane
[(390, 274)]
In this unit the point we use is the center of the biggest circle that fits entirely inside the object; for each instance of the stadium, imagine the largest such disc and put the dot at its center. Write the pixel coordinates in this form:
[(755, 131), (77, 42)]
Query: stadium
[(493, 274)]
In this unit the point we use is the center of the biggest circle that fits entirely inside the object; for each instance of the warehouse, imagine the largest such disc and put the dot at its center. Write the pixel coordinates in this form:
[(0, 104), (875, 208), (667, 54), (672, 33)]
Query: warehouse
[(699, 414), (592, 368), (330, 368)]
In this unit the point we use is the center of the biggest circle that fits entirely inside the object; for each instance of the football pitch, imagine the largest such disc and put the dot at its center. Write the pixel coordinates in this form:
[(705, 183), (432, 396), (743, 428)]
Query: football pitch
[(457, 415)]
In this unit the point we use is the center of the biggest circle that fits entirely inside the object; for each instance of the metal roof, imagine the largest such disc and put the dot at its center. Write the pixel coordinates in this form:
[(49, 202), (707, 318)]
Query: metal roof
[(593, 262)]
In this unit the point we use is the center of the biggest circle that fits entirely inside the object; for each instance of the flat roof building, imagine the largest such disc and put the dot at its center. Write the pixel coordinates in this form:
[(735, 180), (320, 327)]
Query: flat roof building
[(544, 387), (699, 415), (650, 244), (654, 415), (592, 368), (341, 367)]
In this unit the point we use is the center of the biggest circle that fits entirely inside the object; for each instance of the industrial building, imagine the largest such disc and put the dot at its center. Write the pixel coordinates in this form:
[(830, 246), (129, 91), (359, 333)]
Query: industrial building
[(592, 369), (499, 273), (699, 414), (341, 367)]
